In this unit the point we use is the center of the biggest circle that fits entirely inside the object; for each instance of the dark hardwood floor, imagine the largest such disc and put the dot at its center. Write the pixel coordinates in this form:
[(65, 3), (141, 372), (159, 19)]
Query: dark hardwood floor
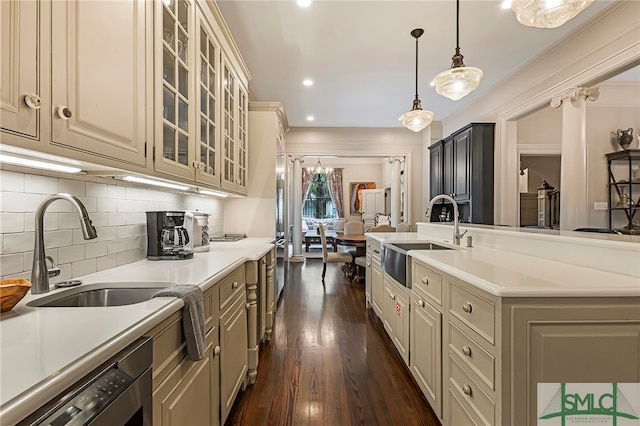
[(329, 361)]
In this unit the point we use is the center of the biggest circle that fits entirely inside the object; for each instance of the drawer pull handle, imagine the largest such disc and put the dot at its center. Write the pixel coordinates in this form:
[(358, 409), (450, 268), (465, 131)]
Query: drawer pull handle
[(392, 296), (235, 284), (216, 351), (466, 350), (421, 303), (467, 307), (376, 251), (425, 281), (466, 389)]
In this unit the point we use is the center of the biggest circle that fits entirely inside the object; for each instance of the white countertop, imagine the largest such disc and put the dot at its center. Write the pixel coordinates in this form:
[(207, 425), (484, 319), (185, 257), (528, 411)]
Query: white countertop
[(45, 350), (507, 274)]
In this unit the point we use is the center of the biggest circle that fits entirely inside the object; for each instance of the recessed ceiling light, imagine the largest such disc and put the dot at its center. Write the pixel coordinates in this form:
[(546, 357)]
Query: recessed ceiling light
[(432, 84), (307, 82), (506, 4), (304, 3), (310, 118)]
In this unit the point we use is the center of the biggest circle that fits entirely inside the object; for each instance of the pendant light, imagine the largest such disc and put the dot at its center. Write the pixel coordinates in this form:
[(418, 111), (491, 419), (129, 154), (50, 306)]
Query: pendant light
[(547, 13), (458, 81), (418, 118)]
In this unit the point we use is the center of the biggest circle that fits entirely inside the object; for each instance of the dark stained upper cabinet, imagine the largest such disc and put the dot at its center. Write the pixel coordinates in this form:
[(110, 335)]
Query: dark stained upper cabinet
[(461, 165)]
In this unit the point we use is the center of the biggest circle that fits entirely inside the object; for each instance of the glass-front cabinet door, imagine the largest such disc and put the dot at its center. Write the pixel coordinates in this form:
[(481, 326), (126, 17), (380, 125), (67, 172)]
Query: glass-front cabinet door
[(243, 140), (229, 89), (208, 145), (175, 130)]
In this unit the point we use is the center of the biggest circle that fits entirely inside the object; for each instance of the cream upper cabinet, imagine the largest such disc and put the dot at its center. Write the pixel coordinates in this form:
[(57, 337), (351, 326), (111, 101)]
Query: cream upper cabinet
[(174, 90), (98, 78), (234, 131), (20, 89)]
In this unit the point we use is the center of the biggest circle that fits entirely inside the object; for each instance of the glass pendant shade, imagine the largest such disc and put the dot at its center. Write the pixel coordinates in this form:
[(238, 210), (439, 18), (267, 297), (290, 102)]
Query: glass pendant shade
[(459, 80), (416, 119), (547, 13), (456, 83)]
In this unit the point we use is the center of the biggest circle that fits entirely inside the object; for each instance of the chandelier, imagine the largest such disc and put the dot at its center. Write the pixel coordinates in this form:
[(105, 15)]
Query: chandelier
[(319, 170), (458, 81), (547, 13), (416, 119)]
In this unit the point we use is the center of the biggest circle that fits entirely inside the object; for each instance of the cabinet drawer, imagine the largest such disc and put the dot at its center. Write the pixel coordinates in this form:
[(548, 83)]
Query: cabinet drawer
[(458, 414), (473, 355), (470, 391), (427, 282), (473, 310), (230, 287)]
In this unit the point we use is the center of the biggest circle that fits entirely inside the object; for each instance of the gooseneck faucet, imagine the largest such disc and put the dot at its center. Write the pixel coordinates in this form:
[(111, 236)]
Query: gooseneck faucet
[(457, 236), (40, 272)]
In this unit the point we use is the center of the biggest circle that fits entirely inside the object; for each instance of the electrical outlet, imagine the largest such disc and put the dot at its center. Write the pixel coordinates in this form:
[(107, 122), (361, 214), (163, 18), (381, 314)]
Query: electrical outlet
[(602, 205)]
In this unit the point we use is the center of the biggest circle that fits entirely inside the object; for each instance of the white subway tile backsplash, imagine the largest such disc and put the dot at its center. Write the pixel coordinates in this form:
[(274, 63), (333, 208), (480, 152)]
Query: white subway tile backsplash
[(84, 267), (98, 190), (11, 263), (53, 239), (96, 249), (11, 223), (37, 184), (11, 181), (117, 192), (116, 209), (117, 246), (106, 262), (20, 202), (18, 243), (75, 187), (71, 253), (107, 205)]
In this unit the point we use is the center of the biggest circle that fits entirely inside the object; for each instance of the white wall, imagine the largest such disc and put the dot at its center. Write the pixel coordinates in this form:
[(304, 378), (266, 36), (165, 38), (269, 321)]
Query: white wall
[(362, 142), (117, 210)]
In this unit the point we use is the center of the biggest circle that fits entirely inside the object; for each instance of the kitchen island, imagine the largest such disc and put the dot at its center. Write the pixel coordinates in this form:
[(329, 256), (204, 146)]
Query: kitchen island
[(480, 327), (45, 350)]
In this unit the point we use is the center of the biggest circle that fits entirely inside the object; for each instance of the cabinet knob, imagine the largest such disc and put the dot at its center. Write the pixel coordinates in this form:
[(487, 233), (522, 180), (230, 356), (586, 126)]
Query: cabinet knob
[(466, 389), (421, 303), (63, 112), (234, 285), (467, 307), (368, 264), (466, 350), (32, 100), (216, 351), (425, 281), (247, 305)]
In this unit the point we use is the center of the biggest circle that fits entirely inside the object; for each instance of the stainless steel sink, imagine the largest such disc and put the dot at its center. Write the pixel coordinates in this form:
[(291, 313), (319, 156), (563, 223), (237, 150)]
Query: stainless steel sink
[(101, 295), (395, 260)]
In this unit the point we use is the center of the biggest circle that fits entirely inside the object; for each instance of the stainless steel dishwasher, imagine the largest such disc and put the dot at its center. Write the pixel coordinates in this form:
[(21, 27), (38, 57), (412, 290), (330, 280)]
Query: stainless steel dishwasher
[(116, 393)]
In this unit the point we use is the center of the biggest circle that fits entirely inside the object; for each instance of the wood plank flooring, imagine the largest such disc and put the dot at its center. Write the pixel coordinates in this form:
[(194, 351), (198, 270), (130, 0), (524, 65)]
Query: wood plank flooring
[(329, 361)]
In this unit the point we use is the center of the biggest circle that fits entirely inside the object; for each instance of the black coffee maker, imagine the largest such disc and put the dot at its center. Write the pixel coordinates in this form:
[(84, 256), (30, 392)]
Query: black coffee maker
[(166, 236)]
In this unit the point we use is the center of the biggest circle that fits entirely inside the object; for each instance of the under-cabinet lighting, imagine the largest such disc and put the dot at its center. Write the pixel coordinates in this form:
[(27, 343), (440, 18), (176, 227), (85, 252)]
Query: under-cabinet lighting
[(155, 182), (38, 164), (214, 193)]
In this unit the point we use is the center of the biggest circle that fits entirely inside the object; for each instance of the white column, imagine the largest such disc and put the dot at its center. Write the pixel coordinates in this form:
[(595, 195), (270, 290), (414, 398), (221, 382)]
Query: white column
[(297, 210), (395, 190), (573, 163)]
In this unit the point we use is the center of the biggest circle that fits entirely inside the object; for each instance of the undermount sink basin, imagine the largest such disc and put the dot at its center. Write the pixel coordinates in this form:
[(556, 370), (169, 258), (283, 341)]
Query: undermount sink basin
[(395, 260), (102, 295), (420, 246)]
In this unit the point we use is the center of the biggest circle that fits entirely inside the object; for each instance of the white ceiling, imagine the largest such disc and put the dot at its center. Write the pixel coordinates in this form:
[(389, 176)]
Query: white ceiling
[(361, 56)]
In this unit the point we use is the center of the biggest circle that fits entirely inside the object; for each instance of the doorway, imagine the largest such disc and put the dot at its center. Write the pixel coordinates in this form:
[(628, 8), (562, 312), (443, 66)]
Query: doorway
[(539, 189)]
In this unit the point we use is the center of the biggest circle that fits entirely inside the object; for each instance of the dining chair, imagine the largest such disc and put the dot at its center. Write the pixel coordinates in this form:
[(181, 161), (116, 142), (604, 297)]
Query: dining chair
[(353, 227), (382, 228), (403, 227), (381, 218), (331, 257)]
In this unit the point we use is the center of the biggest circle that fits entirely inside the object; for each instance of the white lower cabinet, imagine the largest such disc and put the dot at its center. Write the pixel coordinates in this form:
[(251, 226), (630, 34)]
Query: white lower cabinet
[(425, 343), (202, 392), (395, 316)]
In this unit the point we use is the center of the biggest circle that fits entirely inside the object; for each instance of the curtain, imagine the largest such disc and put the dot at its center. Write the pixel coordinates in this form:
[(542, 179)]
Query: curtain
[(334, 179), (306, 182)]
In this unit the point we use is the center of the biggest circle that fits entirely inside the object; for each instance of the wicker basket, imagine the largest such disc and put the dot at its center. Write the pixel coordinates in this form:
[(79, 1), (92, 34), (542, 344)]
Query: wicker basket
[(11, 292)]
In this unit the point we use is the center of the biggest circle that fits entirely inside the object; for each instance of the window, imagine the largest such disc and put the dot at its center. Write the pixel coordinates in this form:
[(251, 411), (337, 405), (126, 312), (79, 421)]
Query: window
[(318, 203)]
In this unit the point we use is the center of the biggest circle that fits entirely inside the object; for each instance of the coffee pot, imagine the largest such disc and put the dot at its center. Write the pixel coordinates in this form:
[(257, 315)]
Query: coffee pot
[(174, 238), (167, 238)]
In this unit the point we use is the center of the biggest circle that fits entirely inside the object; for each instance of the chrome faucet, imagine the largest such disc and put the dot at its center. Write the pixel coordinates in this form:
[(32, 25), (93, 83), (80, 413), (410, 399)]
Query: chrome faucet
[(40, 273), (457, 236)]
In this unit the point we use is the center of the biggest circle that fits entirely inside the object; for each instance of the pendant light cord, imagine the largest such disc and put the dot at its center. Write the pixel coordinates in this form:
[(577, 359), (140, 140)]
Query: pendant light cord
[(417, 67), (458, 24)]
